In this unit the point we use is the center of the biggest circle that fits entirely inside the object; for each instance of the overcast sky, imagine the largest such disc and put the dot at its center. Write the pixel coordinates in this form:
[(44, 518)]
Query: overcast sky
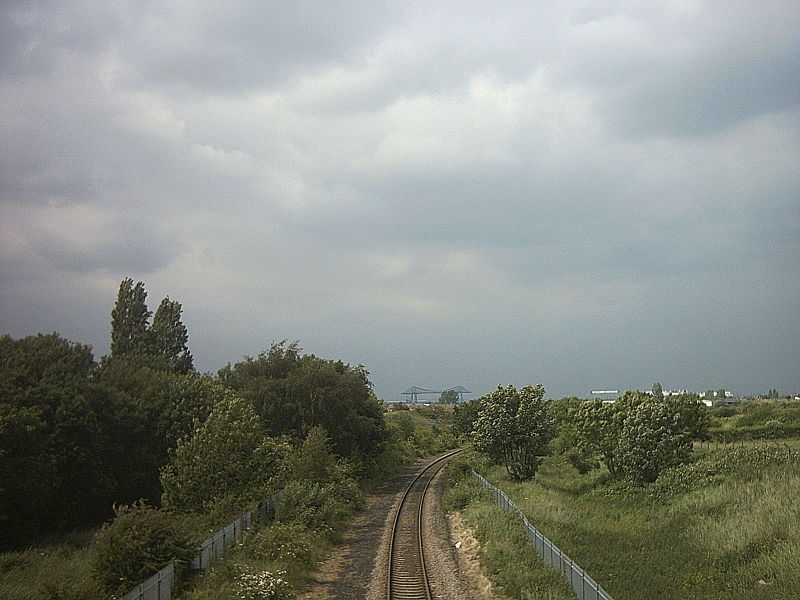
[(579, 194)]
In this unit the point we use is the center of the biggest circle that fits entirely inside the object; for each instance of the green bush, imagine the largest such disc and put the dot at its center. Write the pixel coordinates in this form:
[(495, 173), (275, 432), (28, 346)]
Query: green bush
[(397, 452), (773, 430), (514, 428), (228, 455), (317, 507), (743, 462), (462, 487), (759, 413), (315, 461), (581, 460), (723, 411), (284, 542), (403, 423), (461, 493), (652, 439), (322, 490), (138, 542), (418, 432)]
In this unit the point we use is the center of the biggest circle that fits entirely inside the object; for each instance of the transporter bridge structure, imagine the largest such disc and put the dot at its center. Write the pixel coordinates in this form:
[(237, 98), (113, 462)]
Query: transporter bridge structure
[(415, 392)]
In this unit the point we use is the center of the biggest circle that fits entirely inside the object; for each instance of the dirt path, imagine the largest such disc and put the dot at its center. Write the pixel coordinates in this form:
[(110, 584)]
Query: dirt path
[(356, 570)]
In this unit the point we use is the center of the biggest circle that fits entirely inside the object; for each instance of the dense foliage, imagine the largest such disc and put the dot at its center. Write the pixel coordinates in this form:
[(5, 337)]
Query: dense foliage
[(721, 525), (132, 334), (464, 416), (52, 437), (635, 437), (514, 429), (652, 439), (448, 397), (139, 542), (227, 459), (83, 436), (150, 409), (293, 393)]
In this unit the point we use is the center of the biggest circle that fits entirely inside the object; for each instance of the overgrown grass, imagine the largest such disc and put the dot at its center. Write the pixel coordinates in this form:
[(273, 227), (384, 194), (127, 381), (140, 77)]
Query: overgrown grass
[(511, 561), (722, 527), (56, 569), (288, 550)]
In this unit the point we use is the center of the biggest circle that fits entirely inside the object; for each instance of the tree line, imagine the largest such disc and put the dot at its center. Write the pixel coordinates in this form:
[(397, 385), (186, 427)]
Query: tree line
[(78, 436), (635, 438)]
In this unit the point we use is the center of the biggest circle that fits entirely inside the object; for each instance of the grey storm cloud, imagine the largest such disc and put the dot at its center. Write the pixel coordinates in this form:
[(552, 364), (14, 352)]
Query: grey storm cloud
[(122, 247), (449, 193)]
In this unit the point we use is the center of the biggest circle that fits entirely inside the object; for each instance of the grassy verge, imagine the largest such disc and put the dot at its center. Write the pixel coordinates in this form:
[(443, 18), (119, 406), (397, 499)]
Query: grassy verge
[(286, 551), (55, 569), (723, 527), (508, 557)]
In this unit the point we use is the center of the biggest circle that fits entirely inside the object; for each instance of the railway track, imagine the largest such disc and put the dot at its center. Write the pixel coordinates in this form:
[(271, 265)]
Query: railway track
[(408, 578)]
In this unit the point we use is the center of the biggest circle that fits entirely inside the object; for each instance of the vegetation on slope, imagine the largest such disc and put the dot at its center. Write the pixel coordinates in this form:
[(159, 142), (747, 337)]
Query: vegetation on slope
[(276, 558), (722, 526)]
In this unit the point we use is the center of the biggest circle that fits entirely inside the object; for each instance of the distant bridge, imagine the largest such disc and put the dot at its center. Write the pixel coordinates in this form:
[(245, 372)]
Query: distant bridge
[(415, 391)]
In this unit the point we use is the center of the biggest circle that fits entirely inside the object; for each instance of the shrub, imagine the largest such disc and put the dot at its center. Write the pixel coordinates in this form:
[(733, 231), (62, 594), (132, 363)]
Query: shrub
[(724, 411), (581, 460), (514, 429), (404, 424), (284, 542), (464, 417), (228, 455), (757, 414), (314, 460), (137, 543), (652, 439), (594, 427), (742, 462), (773, 430), (318, 507)]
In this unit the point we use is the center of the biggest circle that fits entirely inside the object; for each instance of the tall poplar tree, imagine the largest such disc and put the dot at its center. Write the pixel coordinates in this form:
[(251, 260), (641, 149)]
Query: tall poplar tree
[(169, 337), (129, 320), (131, 332)]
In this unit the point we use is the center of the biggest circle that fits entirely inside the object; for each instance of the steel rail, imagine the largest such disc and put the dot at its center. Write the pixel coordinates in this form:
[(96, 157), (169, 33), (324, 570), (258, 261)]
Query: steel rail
[(404, 583)]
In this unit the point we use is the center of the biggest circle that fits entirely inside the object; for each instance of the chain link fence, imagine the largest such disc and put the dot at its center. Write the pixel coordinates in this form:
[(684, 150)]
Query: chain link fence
[(584, 586)]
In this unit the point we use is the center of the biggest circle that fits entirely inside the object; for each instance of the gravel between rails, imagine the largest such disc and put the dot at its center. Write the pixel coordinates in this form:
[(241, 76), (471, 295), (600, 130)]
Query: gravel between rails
[(357, 568)]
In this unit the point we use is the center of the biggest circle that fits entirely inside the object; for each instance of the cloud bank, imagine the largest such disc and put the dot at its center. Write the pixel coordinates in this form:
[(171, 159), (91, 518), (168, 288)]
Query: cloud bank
[(579, 194)]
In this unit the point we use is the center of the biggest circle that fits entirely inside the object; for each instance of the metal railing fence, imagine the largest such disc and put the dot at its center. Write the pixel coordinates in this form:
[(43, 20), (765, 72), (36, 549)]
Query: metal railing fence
[(158, 587), (584, 586), (161, 585), (213, 548)]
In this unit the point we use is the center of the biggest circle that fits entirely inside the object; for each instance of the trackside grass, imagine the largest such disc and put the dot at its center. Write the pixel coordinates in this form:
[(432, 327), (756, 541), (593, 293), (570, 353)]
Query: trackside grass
[(722, 527), (510, 560), (59, 568)]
